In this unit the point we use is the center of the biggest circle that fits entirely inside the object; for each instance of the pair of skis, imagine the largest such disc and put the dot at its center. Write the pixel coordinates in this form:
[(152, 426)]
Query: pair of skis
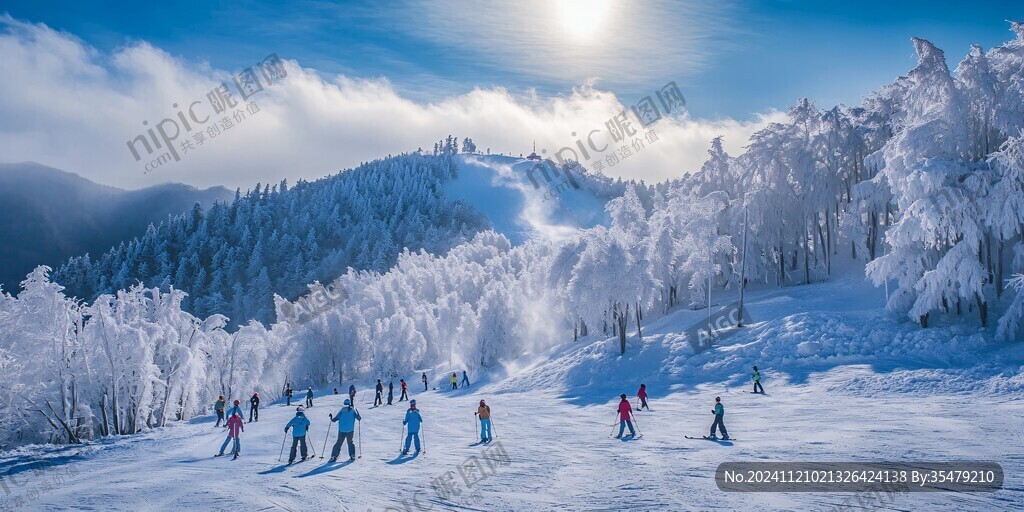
[(709, 438)]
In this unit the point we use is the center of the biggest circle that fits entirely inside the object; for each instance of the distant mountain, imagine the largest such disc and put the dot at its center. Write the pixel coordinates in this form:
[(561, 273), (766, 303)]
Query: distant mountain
[(48, 215)]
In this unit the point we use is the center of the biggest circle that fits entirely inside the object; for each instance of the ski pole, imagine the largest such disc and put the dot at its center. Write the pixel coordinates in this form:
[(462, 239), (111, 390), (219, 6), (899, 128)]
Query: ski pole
[(423, 434), (636, 424), (325, 441), (401, 440), (614, 425), (360, 433), (494, 431), (283, 440)]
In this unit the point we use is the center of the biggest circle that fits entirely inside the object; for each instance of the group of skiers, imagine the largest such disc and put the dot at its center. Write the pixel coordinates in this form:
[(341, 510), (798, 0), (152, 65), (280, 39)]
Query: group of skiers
[(413, 421)]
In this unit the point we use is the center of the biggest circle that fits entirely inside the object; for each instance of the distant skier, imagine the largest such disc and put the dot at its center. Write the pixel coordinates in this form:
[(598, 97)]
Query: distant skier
[(309, 397), (405, 392), (219, 407), (288, 393), (642, 395), (484, 413), (425, 387), (413, 420), (625, 417), (465, 378), (719, 412), (300, 424), (455, 381), (346, 419), (254, 407), (352, 392), (234, 425), (757, 381), (391, 392), (377, 400), (235, 409), (335, 391)]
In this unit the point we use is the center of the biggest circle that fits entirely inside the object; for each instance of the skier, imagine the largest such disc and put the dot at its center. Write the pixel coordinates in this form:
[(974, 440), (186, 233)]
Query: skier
[(335, 391), (405, 392), (219, 407), (465, 378), (254, 407), (455, 381), (309, 397), (625, 415), (235, 409), (391, 392), (301, 424), (346, 419), (234, 425), (414, 421), (757, 381), (484, 413), (642, 395), (380, 389), (719, 412), (288, 393), (425, 381)]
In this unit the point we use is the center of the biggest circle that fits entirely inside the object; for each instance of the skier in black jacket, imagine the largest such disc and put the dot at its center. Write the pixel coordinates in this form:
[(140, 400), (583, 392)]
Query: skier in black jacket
[(380, 390), (254, 407)]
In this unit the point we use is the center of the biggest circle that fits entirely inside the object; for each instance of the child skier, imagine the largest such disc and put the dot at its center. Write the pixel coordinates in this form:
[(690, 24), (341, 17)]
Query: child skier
[(757, 381), (351, 393), (391, 392), (405, 392), (413, 420), (455, 381), (254, 407), (301, 424), (309, 397), (625, 417), (219, 407), (425, 381), (235, 409), (377, 400), (346, 419), (234, 425), (719, 412), (484, 413), (465, 378), (642, 395)]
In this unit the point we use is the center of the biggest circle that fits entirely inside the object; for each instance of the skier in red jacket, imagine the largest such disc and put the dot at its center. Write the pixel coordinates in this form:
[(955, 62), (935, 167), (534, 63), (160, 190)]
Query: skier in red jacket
[(642, 395), (234, 425), (625, 416)]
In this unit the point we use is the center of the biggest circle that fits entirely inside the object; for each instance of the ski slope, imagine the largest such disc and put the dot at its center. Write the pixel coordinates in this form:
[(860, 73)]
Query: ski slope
[(876, 389), (521, 208)]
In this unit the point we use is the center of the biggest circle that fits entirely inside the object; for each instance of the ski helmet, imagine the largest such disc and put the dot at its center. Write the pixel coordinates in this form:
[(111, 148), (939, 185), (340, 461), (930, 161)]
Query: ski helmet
[(300, 409), (481, 402), (237, 402), (256, 393), (347, 402), (622, 396), (413, 403), (718, 399)]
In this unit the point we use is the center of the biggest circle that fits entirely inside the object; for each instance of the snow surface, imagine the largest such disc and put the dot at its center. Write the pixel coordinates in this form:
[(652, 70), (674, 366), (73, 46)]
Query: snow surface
[(500, 187), (876, 388)]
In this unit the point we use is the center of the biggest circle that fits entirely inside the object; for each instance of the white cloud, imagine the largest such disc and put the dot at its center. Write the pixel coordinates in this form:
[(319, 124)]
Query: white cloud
[(67, 105)]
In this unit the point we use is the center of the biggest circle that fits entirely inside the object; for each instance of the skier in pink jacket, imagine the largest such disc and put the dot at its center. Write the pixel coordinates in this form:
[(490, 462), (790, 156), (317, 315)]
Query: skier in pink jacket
[(235, 426), (625, 417)]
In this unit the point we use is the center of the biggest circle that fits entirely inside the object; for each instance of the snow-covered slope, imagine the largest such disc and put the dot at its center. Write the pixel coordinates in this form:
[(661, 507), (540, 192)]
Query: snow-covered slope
[(522, 200), (944, 393)]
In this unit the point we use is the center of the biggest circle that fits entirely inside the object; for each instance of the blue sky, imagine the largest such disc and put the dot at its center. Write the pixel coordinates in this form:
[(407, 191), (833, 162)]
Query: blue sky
[(731, 60)]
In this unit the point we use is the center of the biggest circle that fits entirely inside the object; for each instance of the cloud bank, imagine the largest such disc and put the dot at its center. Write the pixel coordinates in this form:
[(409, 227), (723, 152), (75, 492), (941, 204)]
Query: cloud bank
[(68, 105)]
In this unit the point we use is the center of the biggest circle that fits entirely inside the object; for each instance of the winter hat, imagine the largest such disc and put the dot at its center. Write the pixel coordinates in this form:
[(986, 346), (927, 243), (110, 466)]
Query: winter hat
[(622, 396), (412, 404), (237, 402), (755, 368), (643, 385), (347, 402), (300, 409), (256, 394), (718, 399), (481, 402), (222, 397)]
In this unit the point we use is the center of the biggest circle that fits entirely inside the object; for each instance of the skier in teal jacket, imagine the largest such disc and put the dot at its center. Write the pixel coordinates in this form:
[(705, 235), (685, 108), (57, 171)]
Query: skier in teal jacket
[(719, 412)]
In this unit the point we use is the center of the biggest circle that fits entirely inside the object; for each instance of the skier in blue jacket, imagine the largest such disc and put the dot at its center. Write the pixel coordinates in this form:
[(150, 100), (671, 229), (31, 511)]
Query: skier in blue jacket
[(299, 424), (346, 419), (413, 420)]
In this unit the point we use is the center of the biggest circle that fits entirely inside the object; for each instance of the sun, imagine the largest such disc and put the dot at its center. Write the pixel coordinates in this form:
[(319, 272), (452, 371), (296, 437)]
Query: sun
[(583, 18)]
